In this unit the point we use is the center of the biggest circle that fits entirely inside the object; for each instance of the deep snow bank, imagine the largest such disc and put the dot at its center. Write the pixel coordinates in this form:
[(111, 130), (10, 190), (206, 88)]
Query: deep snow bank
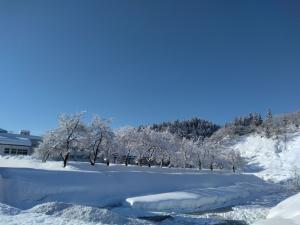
[(102, 185), (204, 198), (285, 213), (272, 159), (61, 214)]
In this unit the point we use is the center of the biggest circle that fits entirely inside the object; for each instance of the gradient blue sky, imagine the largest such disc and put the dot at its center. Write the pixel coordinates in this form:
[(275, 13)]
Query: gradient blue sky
[(140, 62)]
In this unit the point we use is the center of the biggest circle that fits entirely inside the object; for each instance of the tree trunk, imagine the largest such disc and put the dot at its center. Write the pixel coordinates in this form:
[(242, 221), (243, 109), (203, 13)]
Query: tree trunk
[(92, 160), (161, 163), (199, 165), (211, 167), (45, 158), (66, 157)]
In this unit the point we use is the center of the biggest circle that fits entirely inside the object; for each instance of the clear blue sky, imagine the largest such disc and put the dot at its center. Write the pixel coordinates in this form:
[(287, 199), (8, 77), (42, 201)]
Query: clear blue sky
[(140, 61)]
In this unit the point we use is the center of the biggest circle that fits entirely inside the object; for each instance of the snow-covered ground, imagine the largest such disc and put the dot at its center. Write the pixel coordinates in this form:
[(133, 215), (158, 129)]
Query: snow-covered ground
[(270, 158), (24, 186), (286, 212), (32, 192), (61, 214), (201, 198)]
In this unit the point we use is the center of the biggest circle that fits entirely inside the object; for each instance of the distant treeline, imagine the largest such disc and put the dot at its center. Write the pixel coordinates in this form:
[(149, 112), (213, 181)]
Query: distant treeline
[(196, 128), (192, 129)]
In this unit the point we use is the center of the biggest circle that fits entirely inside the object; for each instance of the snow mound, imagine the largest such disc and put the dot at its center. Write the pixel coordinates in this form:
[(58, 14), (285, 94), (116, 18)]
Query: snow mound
[(61, 214), (49, 208), (79, 212), (199, 198), (286, 212), (272, 159), (8, 210)]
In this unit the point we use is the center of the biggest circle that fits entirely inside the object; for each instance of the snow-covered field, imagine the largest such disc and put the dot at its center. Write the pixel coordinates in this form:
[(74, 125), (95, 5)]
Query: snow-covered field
[(100, 186), (32, 192)]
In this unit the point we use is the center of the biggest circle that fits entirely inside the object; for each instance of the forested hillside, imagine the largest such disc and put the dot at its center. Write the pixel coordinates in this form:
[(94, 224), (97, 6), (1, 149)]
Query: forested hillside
[(190, 129)]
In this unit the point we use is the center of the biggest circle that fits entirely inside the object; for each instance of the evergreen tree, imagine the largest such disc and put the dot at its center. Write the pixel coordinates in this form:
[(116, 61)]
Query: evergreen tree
[(269, 123)]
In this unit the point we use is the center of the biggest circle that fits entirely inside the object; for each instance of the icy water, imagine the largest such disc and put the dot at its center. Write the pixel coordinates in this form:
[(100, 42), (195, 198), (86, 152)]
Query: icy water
[(191, 218), (233, 222), (162, 219)]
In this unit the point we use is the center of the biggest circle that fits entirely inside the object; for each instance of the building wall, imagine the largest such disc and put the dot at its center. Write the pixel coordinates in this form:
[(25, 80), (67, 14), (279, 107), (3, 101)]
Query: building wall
[(14, 150)]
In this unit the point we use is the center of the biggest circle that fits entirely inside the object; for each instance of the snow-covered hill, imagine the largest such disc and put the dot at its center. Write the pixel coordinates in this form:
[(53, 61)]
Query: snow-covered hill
[(274, 159)]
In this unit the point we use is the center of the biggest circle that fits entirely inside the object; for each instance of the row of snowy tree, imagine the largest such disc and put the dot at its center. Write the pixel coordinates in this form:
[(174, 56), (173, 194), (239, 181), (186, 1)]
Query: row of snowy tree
[(97, 142)]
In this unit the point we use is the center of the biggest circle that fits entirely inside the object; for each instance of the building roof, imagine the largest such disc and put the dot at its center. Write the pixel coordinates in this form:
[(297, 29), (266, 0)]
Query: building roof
[(3, 131), (14, 139)]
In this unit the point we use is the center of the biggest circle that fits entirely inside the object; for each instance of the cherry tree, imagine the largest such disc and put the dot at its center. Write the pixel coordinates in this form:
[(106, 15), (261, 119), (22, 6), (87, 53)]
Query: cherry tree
[(144, 146), (165, 144), (98, 138), (235, 159), (49, 146), (198, 154), (185, 152), (126, 138), (65, 139)]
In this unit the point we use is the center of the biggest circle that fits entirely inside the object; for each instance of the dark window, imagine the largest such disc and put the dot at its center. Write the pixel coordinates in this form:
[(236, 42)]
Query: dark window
[(13, 151), (6, 151)]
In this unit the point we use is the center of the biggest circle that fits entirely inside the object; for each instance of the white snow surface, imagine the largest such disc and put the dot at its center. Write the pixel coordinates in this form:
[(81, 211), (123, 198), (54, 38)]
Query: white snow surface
[(61, 214), (202, 198), (32, 192), (13, 139), (24, 187), (286, 212), (272, 159)]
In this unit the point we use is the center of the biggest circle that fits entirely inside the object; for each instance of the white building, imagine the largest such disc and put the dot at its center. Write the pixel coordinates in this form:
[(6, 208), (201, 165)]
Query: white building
[(18, 144)]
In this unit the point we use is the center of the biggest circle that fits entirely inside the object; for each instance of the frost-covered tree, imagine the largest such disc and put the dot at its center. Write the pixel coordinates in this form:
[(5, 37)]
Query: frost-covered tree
[(165, 144), (65, 139), (145, 146), (69, 132), (109, 147), (269, 123), (49, 146), (186, 152), (199, 153), (235, 159), (98, 138), (126, 138)]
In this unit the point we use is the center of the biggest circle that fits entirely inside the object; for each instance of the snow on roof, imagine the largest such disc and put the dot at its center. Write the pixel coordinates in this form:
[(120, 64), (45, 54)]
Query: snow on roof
[(13, 139)]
